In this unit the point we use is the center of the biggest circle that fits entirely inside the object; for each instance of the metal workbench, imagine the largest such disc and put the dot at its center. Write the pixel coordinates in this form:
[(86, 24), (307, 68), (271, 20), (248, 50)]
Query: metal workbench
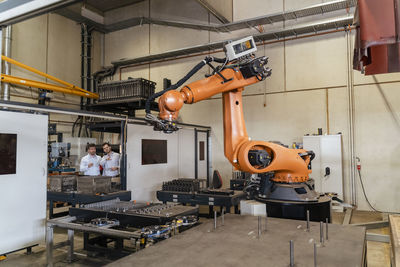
[(67, 222), (114, 221), (211, 200), (236, 243), (75, 198)]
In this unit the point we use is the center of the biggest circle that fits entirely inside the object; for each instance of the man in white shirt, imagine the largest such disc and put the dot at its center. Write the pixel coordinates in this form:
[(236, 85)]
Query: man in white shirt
[(90, 164), (110, 161)]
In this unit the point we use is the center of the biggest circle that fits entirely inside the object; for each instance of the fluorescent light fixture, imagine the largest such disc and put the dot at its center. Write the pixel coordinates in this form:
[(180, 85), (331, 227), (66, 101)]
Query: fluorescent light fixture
[(92, 15)]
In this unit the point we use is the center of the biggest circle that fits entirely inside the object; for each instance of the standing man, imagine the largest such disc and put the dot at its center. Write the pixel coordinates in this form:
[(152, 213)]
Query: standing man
[(90, 164), (110, 161)]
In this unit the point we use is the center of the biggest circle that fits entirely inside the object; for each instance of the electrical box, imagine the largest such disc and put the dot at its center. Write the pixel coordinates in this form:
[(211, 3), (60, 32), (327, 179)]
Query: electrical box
[(327, 170), (59, 150), (240, 48)]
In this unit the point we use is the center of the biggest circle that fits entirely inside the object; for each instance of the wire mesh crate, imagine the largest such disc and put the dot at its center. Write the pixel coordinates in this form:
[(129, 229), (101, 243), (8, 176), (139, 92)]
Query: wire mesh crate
[(126, 90), (94, 184), (62, 183)]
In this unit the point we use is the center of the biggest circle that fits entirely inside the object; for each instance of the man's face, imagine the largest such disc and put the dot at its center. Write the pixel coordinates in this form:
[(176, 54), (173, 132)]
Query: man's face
[(92, 150), (106, 149)]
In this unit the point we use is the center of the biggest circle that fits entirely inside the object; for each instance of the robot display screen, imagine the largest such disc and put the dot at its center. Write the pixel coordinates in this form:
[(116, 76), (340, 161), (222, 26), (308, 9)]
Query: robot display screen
[(8, 153), (242, 47)]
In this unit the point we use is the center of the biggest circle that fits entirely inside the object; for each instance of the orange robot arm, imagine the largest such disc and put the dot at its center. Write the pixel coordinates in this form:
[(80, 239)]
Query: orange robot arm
[(288, 165)]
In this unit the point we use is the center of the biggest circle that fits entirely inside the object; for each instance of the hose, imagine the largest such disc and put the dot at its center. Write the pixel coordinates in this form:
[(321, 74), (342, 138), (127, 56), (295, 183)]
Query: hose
[(195, 69), (73, 126), (366, 198), (219, 60)]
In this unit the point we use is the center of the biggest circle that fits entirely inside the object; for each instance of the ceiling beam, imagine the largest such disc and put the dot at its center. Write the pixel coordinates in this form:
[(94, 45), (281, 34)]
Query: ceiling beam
[(214, 10)]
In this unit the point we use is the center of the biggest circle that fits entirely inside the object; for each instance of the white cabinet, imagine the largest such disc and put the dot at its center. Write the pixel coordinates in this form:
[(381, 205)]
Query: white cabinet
[(23, 192), (327, 168)]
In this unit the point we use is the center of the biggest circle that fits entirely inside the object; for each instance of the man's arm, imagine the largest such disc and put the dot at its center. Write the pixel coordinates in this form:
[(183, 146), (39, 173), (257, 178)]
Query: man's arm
[(84, 165), (116, 162), (103, 161)]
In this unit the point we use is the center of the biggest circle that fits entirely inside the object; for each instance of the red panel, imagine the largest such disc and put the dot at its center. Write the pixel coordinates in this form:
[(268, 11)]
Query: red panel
[(377, 22)]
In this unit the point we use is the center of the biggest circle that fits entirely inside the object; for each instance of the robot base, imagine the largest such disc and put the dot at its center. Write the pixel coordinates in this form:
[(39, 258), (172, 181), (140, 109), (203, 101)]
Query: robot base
[(291, 201), (303, 192)]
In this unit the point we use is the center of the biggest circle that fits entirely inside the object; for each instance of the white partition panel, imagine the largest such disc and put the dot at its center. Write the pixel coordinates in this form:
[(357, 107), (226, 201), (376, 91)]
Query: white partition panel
[(23, 194), (145, 180), (186, 153)]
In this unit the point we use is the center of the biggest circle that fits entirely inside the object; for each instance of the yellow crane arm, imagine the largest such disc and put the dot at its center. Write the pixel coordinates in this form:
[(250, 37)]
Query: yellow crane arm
[(67, 88)]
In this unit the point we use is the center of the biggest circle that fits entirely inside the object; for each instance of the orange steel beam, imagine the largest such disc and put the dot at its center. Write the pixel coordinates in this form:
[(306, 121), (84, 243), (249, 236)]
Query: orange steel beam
[(68, 88), (30, 83)]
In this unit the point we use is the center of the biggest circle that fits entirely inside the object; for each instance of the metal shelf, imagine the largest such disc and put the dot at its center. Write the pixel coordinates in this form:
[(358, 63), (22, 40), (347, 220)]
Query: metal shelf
[(305, 28)]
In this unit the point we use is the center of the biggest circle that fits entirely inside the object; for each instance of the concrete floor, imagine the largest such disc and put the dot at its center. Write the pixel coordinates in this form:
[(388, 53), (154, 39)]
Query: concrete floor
[(378, 254)]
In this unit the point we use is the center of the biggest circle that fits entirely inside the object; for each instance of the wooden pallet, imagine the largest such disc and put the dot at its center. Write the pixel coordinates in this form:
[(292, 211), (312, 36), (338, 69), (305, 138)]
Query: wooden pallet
[(59, 204)]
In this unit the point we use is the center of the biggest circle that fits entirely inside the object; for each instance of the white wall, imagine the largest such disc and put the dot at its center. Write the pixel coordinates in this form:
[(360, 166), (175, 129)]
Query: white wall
[(307, 90)]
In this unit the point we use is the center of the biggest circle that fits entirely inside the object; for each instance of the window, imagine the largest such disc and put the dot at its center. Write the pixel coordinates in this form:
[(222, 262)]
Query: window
[(154, 151), (8, 153)]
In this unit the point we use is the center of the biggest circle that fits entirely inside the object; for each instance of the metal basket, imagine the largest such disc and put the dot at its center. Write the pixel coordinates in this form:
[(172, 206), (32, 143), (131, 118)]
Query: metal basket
[(127, 90), (62, 183), (93, 184)]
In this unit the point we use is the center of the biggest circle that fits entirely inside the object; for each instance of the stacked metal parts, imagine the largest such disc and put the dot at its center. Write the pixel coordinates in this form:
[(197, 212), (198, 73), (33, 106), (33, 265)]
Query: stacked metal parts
[(172, 212), (182, 185), (159, 232), (125, 90), (191, 186), (132, 213), (112, 221)]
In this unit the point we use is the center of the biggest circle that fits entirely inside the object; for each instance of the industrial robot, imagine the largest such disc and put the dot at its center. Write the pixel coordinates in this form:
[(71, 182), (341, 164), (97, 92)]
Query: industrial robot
[(283, 181)]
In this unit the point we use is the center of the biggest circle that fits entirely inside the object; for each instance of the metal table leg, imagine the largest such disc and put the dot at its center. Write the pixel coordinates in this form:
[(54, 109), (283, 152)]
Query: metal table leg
[(49, 245), (70, 256), (210, 211), (85, 240), (237, 209), (51, 209), (228, 209)]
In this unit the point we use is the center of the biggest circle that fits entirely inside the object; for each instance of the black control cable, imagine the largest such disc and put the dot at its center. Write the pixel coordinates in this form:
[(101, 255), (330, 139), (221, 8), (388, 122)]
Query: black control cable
[(195, 69), (365, 194)]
